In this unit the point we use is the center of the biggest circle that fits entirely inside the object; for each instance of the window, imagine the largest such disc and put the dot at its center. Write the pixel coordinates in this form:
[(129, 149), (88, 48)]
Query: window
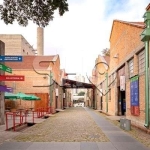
[(141, 62), (130, 68)]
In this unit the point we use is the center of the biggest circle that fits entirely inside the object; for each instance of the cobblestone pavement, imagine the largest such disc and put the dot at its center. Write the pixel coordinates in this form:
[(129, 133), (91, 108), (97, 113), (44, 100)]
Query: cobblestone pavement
[(71, 125)]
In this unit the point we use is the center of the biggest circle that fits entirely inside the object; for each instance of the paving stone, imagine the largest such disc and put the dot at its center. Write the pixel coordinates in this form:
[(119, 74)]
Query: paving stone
[(89, 146), (72, 129)]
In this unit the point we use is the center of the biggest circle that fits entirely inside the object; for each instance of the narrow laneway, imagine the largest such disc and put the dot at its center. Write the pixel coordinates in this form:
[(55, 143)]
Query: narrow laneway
[(74, 129)]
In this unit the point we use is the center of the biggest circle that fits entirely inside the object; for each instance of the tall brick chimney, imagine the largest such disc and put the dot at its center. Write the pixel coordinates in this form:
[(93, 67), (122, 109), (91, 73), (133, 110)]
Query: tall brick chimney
[(40, 41)]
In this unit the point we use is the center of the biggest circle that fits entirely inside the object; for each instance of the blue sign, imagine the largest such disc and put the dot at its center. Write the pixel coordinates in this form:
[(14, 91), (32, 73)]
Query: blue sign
[(11, 58), (134, 91)]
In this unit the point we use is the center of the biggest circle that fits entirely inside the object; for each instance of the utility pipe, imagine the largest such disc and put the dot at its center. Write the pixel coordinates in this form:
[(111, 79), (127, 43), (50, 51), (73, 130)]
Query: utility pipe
[(145, 37), (147, 84), (106, 92), (51, 89)]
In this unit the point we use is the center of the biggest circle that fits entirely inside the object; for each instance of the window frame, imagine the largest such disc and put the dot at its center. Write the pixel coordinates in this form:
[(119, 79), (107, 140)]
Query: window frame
[(131, 67), (141, 61)]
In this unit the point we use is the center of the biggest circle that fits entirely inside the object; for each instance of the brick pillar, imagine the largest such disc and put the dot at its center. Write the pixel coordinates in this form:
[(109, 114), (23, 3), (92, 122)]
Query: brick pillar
[(2, 104), (98, 101), (59, 98), (67, 98), (127, 88), (63, 98)]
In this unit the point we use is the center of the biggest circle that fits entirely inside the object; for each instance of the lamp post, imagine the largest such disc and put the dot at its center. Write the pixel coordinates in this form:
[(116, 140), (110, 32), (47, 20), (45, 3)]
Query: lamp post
[(51, 89)]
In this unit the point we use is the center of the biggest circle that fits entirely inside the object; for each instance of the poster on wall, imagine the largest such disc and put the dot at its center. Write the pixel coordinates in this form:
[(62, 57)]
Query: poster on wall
[(122, 83), (134, 91), (134, 95)]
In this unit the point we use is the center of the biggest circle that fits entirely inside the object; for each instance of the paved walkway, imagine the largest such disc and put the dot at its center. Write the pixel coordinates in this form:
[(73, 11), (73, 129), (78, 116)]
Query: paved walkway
[(117, 138)]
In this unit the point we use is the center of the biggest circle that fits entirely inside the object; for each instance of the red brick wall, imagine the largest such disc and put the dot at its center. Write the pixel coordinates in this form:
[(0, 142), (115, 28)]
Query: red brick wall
[(125, 42), (34, 83)]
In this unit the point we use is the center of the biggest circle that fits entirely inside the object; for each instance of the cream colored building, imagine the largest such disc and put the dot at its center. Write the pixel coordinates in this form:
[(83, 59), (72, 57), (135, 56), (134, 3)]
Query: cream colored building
[(16, 44)]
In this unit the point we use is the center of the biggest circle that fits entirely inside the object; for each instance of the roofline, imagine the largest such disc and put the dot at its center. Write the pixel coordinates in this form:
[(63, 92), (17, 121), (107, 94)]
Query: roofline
[(148, 7), (126, 22)]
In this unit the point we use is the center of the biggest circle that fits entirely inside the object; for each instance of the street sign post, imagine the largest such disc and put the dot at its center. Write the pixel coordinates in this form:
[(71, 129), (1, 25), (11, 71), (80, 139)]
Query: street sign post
[(11, 78), (10, 58), (5, 88), (5, 68)]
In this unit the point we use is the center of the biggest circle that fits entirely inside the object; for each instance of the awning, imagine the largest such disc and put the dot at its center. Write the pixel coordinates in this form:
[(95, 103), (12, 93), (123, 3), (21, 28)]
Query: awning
[(67, 83)]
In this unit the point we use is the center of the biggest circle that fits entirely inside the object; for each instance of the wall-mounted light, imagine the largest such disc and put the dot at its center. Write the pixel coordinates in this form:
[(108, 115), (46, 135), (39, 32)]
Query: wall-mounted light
[(44, 77), (116, 55), (64, 95), (56, 90)]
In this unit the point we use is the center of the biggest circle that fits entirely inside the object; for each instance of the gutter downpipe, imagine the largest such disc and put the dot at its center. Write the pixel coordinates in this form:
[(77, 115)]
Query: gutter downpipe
[(147, 84), (51, 89), (145, 37)]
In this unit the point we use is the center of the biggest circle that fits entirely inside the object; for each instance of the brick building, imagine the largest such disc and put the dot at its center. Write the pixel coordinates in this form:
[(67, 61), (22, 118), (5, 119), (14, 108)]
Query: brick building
[(40, 72), (126, 73), (101, 68), (16, 44)]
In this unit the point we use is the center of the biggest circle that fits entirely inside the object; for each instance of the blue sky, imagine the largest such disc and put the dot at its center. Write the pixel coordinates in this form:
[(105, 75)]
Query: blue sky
[(115, 6), (83, 32)]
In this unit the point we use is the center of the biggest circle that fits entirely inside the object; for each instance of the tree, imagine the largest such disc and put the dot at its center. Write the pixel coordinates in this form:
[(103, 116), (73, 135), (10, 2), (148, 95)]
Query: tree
[(81, 93), (39, 11), (106, 52)]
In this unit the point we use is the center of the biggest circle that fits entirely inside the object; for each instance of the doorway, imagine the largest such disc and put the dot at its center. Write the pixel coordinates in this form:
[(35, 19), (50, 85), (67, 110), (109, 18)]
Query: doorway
[(121, 102)]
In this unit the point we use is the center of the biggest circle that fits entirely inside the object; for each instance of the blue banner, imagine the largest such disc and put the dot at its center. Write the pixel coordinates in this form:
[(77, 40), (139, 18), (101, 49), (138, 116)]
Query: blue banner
[(10, 58), (134, 91)]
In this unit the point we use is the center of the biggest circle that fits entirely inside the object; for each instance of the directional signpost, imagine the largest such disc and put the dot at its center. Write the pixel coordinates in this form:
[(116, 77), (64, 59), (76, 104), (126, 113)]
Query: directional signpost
[(11, 78), (5, 88), (11, 58), (5, 68), (10, 89)]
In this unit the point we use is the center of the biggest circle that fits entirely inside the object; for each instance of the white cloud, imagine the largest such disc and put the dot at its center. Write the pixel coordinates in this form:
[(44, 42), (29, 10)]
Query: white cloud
[(80, 35)]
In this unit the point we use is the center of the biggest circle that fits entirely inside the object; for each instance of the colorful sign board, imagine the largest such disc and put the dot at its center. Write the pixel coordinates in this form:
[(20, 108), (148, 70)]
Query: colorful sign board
[(5, 68), (10, 89), (122, 83), (134, 91), (11, 58), (6, 89), (11, 78)]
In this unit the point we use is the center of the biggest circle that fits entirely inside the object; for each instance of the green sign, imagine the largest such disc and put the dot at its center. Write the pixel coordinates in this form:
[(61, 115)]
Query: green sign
[(135, 78), (5, 68)]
